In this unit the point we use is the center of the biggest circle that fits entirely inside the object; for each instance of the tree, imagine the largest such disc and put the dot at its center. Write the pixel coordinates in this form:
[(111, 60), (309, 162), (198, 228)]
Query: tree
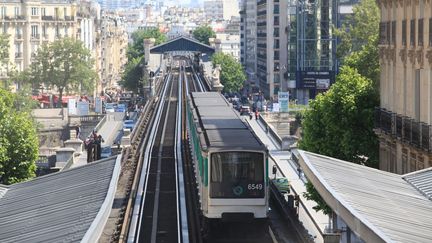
[(18, 142), (366, 61), (232, 76), (339, 123), (359, 29), (132, 75), (64, 64), (203, 33), (136, 49), (133, 72)]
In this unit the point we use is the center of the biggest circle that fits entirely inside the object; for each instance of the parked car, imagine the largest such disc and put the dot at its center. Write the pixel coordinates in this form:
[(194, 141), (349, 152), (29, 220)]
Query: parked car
[(106, 151), (109, 107), (282, 184), (129, 124), (244, 110), (120, 108)]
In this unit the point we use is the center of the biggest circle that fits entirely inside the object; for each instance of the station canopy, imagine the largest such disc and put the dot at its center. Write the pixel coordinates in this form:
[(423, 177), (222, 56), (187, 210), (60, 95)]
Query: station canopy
[(182, 44)]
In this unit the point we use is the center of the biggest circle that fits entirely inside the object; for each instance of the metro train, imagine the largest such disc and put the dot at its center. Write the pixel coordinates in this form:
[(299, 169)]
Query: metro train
[(231, 163)]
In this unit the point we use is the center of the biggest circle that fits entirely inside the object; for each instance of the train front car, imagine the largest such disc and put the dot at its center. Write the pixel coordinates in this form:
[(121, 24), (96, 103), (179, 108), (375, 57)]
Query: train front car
[(231, 161), (237, 188)]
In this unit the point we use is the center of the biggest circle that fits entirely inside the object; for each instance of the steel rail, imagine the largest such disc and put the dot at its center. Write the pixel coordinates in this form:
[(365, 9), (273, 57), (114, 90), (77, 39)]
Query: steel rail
[(159, 168), (182, 218), (200, 82), (137, 209)]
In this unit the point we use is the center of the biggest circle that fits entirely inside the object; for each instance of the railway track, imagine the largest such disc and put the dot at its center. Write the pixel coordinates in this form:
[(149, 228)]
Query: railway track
[(160, 213)]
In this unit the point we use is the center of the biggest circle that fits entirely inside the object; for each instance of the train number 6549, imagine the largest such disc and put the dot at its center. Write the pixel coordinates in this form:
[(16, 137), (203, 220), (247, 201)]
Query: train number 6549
[(255, 187)]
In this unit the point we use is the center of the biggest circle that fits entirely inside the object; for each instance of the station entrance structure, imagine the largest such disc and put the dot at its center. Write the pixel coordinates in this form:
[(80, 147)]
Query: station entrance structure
[(182, 44)]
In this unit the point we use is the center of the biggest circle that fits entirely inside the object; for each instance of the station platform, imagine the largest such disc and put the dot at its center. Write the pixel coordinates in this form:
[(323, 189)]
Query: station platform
[(109, 131), (314, 222)]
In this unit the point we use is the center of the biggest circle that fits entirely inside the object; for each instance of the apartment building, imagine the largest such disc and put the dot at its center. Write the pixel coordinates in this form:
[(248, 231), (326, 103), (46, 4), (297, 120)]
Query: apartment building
[(271, 48), (114, 41), (220, 9), (248, 40), (29, 24), (403, 121), (228, 44)]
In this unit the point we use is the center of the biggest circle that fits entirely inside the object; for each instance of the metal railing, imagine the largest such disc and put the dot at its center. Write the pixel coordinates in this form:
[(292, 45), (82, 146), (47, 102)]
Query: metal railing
[(410, 131), (270, 130)]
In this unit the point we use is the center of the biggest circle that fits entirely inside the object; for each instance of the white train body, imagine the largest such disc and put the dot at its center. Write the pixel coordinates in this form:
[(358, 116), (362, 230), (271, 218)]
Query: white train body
[(230, 162)]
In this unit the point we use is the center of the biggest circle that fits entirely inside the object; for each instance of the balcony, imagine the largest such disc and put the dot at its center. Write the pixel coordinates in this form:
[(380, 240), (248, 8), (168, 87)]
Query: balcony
[(415, 133), (410, 131), (19, 17), (425, 136), (35, 36), (48, 18), (383, 120), (69, 18), (18, 36), (406, 135), (399, 126), (18, 55), (5, 17)]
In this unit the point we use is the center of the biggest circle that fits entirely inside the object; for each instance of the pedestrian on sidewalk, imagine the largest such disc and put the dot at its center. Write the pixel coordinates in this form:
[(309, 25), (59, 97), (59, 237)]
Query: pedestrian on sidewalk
[(78, 131), (250, 115), (256, 114)]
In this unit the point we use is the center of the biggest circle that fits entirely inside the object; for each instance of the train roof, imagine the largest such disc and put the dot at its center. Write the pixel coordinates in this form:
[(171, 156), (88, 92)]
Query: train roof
[(222, 126)]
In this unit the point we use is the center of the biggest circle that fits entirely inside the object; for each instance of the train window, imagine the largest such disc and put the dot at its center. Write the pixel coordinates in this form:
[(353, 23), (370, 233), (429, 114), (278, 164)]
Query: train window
[(237, 175)]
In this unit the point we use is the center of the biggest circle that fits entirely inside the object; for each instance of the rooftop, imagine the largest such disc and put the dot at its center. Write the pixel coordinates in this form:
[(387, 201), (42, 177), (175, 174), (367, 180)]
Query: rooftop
[(66, 206), (379, 206)]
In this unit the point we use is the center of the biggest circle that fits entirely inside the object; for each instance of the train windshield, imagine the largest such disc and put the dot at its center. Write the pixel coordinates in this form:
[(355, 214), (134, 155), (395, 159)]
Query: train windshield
[(237, 175)]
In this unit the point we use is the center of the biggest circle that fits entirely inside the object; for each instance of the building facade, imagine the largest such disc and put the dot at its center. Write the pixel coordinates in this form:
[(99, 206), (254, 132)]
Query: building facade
[(248, 40), (403, 121), (228, 44), (29, 24), (271, 44), (114, 41), (220, 9), (312, 63)]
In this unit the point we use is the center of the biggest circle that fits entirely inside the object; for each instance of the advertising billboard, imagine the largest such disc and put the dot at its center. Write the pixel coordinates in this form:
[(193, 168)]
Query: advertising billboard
[(283, 98)]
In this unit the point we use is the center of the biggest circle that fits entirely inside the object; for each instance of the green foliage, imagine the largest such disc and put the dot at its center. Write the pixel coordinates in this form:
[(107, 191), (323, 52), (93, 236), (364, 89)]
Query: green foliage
[(18, 141), (312, 194), (4, 48), (339, 124), (203, 33), (64, 64), (132, 74), (359, 29), (366, 61), (232, 76), (136, 49)]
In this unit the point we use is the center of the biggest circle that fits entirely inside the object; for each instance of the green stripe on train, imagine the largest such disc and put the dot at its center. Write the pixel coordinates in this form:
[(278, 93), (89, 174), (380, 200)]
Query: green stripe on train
[(266, 171), (206, 172)]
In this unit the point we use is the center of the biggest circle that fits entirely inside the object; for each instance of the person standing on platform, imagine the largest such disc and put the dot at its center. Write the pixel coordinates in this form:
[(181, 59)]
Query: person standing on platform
[(78, 131), (98, 144)]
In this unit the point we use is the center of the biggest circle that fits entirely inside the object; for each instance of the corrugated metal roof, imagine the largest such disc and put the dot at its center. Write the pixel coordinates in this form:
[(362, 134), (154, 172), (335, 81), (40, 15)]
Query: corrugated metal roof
[(182, 43), (382, 201), (59, 207), (3, 190), (422, 181)]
